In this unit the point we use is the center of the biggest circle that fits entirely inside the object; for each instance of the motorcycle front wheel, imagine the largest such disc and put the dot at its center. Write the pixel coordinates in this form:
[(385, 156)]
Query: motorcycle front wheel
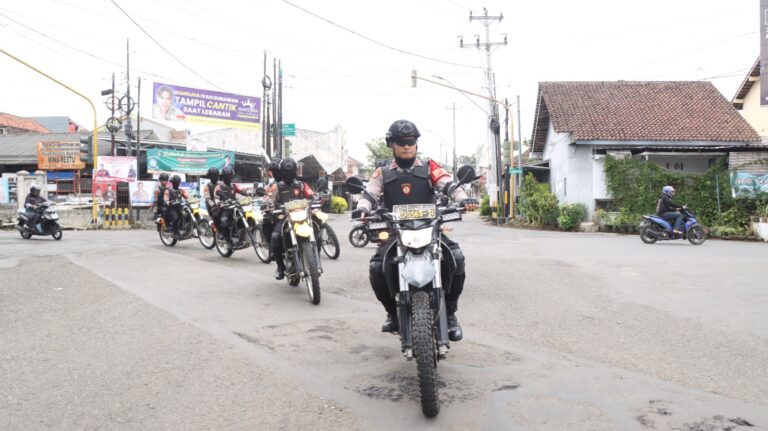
[(359, 237), (424, 349), (205, 234), (261, 245), (697, 235), (56, 232), (329, 242), (312, 276), (224, 248)]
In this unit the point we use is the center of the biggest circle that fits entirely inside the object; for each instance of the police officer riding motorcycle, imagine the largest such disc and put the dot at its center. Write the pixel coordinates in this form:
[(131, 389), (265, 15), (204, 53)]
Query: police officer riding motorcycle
[(160, 206)]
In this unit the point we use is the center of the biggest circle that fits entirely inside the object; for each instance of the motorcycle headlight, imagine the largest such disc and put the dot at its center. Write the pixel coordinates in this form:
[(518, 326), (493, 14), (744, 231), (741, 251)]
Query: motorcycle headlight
[(194, 205), (298, 216), (416, 238)]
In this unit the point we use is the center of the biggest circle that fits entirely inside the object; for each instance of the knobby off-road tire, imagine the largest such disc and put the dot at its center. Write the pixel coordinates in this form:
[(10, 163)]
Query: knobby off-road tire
[(424, 351), (329, 242), (359, 237), (312, 278)]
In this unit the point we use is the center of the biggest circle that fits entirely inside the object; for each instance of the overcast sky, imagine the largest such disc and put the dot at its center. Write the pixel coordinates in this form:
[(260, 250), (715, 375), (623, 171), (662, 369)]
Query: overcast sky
[(362, 81)]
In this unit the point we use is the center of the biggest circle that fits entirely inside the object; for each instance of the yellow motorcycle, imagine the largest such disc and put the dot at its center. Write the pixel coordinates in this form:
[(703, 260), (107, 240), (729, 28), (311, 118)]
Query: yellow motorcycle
[(301, 255), (244, 224)]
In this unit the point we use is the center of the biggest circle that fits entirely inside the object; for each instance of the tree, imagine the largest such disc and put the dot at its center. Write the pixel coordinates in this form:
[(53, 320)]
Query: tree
[(466, 160), (379, 151)]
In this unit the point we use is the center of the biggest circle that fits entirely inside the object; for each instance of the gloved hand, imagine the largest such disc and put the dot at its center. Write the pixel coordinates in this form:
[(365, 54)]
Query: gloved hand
[(469, 204), (359, 213)]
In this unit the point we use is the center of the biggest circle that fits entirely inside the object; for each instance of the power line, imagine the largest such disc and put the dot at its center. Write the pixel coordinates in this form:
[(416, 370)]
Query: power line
[(163, 48), (362, 36)]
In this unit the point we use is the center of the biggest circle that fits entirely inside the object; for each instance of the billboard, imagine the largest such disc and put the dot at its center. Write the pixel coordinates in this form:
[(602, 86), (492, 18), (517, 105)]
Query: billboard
[(189, 162), (213, 108), (113, 169), (744, 184), (104, 192), (141, 193), (52, 155)]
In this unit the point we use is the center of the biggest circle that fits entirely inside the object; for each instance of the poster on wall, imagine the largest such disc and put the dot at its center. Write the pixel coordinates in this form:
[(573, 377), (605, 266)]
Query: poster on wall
[(745, 184), (141, 193), (5, 196), (104, 192), (118, 168), (190, 162), (197, 106)]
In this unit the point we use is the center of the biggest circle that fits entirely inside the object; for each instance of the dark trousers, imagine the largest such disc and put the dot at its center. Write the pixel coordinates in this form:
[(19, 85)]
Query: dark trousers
[(174, 217), (34, 219), (674, 217), (276, 242), (379, 281), (267, 227), (227, 222)]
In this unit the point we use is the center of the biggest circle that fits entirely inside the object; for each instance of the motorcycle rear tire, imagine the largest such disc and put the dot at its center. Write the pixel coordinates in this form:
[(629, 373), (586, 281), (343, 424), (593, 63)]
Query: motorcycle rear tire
[(312, 276), (359, 237), (166, 236), (424, 349), (205, 234), (697, 235), (645, 235), (224, 248)]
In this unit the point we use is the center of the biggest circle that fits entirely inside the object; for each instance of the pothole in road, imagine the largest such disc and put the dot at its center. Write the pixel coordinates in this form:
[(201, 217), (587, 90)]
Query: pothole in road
[(401, 384), (659, 414), (718, 423)]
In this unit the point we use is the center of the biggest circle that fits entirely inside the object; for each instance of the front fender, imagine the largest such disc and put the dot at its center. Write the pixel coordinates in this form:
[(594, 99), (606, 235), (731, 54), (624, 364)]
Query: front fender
[(303, 229)]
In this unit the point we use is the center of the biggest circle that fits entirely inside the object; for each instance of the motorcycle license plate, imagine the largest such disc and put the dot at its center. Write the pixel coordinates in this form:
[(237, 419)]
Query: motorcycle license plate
[(415, 211), (373, 226)]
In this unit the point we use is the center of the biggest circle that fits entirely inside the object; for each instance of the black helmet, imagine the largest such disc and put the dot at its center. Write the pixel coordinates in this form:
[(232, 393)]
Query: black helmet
[(213, 174), (163, 177), (227, 174), (274, 167), (175, 180), (401, 129), (34, 189), (288, 169)]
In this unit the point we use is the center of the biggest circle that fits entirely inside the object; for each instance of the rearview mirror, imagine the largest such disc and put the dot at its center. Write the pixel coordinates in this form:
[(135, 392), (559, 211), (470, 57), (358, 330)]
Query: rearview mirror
[(466, 174), (354, 185)]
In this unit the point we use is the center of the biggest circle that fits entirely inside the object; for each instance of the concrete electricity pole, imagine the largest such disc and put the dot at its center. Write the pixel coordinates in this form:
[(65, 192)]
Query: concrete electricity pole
[(454, 108), (494, 180)]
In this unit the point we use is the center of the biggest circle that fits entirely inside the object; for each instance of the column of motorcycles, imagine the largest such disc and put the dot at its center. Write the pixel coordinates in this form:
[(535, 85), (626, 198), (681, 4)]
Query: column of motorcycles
[(304, 235)]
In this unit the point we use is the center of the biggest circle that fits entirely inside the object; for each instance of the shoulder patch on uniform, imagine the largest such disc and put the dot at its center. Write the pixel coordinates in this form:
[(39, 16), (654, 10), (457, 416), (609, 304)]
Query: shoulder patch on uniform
[(376, 173)]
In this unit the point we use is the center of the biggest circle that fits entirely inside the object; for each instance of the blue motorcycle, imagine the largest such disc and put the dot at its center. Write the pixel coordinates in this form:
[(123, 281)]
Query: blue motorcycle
[(655, 228)]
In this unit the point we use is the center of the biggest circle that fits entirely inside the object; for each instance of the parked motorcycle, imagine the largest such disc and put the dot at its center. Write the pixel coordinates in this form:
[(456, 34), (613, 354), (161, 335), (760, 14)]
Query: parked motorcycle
[(242, 232), (373, 229), (49, 222), (191, 225), (655, 228), (301, 253), (417, 264)]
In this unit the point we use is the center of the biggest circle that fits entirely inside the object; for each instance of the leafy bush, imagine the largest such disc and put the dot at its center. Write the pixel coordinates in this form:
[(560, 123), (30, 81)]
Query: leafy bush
[(338, 204), (537, 204), (571, 216), (485, 206)]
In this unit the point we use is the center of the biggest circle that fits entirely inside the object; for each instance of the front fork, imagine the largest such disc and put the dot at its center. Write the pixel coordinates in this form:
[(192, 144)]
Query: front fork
[(297, 252)]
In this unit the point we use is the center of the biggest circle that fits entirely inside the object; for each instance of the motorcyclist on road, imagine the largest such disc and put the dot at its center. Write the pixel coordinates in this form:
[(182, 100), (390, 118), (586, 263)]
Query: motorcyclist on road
[(227, 190), (173, 198), (669, 210), (31, 204), (268, 224), (160, 206), (210, 196), (408, 180), (280, 192)]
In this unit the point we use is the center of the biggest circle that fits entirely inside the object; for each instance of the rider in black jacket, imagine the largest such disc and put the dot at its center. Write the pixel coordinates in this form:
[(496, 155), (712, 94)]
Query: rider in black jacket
[(31, 203), (669, 210), (173, 197)]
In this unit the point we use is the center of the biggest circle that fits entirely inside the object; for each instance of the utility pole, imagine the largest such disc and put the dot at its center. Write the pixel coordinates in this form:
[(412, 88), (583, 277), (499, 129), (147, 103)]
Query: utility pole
[(266, 134), (276, 143), (519, 147), (454, 108), (495, 180), (128, 126), (280, 108)]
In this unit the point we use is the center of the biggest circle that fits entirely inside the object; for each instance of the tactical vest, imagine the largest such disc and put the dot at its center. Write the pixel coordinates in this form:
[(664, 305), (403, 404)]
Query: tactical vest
[(174, 195), (226, 191), (289, 192), (161, 196), (407, 187)]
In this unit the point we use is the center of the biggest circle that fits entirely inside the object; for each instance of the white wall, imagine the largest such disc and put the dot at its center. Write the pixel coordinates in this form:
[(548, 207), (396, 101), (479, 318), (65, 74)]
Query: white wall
[(239, 140), (327, 147), (683, 164), (753, 112), (556, 151)]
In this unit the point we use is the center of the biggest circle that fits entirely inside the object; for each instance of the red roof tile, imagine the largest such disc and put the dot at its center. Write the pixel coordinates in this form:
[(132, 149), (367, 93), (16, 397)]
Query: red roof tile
[(639, 111), (8, 120)]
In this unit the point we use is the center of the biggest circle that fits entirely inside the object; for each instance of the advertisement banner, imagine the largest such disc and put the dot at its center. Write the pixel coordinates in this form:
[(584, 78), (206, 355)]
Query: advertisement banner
[(5, 196), (53, 155), (744, 184), (190, 162), (192, 105), (141, 193), (104, 192), (118, 168)]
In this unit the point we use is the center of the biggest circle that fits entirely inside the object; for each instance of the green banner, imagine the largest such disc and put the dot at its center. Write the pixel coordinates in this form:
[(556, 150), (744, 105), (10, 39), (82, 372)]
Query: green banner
[(747, 184), (188, 162)]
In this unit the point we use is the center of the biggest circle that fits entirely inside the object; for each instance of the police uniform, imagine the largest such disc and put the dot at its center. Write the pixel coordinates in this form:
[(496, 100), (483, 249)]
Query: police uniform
[(280, 193)]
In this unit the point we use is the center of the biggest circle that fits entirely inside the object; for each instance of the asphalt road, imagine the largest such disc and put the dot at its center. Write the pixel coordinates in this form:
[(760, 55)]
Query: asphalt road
[(563, 331)]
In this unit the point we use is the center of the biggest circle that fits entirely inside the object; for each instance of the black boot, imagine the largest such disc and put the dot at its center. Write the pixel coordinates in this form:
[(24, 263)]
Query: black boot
[(280, 273), (454, 327), (391, 324)]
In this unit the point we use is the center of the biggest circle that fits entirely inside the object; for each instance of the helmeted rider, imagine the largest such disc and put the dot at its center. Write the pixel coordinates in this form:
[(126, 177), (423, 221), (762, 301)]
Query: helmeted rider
[(31, 203), (227, 190), (280, 192), (408, 180), (268, 224), (160, 205), (173, 197), (669, 210), (209, 194)]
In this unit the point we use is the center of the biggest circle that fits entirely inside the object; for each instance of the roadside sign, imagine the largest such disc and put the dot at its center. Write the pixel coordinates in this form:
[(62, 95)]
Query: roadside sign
[(515, 170), (289, 129)]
